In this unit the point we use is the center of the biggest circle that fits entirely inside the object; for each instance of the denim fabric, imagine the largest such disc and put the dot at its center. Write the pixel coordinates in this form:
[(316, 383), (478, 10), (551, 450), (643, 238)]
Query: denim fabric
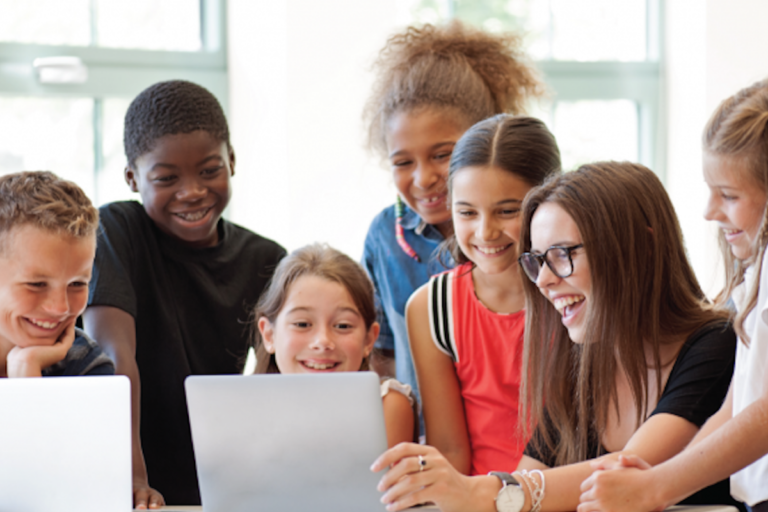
[(396, 276)]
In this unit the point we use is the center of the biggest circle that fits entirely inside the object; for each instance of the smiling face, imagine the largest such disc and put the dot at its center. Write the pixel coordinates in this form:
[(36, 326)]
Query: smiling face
[(420, 146), (486, 216), (736, 202), (551, 225), (184, 184), (319, 329), (43, 285)]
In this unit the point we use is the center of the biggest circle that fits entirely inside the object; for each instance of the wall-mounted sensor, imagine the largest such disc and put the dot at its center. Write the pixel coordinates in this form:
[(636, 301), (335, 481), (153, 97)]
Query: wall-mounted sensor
[(60, 70)]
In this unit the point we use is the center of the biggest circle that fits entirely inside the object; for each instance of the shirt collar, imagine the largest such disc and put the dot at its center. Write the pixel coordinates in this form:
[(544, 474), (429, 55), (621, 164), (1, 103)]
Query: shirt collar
[(411, 220)]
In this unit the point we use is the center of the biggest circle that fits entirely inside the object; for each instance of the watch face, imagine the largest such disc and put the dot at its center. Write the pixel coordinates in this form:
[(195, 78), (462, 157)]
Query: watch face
[(511, 498)]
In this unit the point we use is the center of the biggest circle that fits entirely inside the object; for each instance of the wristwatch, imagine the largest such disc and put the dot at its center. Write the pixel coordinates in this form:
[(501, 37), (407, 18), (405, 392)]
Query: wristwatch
[(511, 497)]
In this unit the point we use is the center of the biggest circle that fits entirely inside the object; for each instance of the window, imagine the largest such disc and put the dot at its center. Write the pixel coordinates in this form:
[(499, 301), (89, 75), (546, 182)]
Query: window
[(73, 124), (600, 59)]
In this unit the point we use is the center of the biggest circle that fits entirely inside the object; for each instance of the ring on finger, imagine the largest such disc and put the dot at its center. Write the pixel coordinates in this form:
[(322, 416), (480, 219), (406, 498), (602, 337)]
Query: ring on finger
[(422, 463)]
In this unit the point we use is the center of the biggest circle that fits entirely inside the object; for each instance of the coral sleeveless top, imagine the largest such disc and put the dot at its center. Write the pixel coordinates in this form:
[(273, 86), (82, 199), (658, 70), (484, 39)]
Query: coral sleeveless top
[(487, 351)]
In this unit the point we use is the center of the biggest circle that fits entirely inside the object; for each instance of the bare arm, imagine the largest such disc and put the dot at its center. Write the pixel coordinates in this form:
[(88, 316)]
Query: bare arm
[(733, 445), (398, 418), (444, 418), (115, 331)]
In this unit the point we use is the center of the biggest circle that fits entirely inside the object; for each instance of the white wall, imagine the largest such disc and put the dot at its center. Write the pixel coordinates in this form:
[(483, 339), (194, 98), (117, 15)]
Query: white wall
[(299, 77), (714, 48), (300, 74)]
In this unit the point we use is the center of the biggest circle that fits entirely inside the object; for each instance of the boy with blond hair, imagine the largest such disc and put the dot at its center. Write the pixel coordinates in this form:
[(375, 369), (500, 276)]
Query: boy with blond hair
[(47, 246)]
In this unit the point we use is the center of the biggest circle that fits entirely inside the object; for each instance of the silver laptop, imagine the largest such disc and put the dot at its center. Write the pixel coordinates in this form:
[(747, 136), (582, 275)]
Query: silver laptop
[(66, 444), (287, 442)]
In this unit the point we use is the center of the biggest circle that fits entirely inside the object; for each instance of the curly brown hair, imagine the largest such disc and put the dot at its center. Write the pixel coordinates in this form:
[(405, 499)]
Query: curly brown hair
[(44, 200), (451, 67)]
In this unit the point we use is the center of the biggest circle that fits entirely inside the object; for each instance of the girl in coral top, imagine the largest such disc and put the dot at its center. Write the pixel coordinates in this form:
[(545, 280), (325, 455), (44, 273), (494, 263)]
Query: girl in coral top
[(466, 326)]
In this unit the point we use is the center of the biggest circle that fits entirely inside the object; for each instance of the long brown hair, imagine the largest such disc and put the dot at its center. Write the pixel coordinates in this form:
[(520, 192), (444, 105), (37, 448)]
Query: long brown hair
[(738, 129), (312, 260), (644, 292), (464, 71), (520, 145)]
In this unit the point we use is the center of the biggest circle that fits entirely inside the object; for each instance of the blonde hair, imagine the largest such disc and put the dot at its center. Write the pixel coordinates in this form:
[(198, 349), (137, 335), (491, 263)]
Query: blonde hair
[(738, 129), (42, 199), (312, 260), (455, 68)]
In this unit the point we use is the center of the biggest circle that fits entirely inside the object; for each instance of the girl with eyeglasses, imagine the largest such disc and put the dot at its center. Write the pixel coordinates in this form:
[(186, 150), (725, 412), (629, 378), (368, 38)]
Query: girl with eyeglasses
[(734, 441), (623, 354)]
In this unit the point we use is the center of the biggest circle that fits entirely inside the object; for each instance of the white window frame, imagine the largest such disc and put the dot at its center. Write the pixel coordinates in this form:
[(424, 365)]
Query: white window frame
[(114, 72)]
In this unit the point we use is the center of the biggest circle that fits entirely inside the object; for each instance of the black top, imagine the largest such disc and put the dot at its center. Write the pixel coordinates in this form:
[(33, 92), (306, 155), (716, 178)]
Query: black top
[(695, 390), (191, 308)]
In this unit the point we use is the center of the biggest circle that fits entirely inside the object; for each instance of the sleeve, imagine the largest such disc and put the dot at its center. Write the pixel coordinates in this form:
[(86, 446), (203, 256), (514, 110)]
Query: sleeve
[(86, 358), (701, 376), (111, 283), (386, 339)]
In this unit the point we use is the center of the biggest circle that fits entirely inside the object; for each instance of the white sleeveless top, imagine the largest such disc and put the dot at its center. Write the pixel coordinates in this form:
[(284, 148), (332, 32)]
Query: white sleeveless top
[(750, 382)]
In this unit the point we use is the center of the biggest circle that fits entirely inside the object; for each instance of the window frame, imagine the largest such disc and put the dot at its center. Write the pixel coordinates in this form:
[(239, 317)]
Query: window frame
[(117, 72)]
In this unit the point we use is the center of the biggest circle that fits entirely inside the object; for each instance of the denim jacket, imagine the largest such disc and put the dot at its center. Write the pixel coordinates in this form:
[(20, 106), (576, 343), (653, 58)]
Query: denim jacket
[(396, 276)]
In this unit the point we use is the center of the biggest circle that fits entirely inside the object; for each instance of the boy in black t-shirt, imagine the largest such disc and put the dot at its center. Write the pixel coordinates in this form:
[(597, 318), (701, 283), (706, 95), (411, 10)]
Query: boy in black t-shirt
[(173, 282)]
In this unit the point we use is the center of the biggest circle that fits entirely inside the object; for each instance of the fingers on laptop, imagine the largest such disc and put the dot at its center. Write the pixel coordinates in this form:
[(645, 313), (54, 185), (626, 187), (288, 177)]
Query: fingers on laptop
[(145, 497)]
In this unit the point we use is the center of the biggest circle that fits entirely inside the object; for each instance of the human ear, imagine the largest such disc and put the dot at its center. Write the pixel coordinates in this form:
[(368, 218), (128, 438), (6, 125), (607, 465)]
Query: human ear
[(370, 338), (267, 334), (130, 178), (231, 162)]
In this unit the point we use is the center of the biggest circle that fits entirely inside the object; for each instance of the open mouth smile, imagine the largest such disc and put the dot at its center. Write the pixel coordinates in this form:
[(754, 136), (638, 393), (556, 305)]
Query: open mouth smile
[(42, 324), (194, 216), (491, 251), (318, 366)]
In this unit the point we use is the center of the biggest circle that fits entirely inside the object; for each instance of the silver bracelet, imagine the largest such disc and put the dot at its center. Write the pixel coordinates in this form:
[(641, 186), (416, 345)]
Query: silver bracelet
[(535, 489)]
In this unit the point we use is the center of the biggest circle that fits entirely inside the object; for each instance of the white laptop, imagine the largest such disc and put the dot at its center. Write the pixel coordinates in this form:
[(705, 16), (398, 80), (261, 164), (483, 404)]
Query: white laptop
[(65, 444), (287, 442)]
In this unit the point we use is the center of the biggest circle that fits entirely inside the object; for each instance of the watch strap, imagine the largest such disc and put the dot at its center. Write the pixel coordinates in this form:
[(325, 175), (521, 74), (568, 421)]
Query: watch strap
[(506, 478)]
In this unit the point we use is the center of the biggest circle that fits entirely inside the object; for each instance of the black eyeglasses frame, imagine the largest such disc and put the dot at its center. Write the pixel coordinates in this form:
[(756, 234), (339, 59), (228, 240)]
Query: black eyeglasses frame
[(542, 259)]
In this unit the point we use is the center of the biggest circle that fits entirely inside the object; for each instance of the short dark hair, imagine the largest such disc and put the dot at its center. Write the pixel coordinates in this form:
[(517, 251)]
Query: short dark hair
[(167, 108)]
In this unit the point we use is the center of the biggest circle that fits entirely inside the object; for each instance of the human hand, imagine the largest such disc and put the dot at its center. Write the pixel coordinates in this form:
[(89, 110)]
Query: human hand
[(609, 461), (628, 488), (145, 497), (420, 474), (30, 361)]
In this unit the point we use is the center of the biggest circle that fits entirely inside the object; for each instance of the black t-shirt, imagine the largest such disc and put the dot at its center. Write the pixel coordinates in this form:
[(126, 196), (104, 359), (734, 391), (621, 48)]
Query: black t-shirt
[(695, 390), (191, 308)]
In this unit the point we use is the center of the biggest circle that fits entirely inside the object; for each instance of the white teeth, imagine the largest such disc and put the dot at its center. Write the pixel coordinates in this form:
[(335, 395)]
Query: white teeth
[(44, 325), (731, 231), (192, 217), (432, 199), (319, 366), (562, 302), (491, 250)]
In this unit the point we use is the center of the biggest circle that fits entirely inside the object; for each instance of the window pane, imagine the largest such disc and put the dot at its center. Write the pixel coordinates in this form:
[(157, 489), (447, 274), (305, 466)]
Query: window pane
[(50, 134), (111, 184), (587, 30), (149, 24), (57, 22), (588, 131)]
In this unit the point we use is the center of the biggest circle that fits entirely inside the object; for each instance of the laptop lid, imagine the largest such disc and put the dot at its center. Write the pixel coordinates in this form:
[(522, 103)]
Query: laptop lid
[(66, 444), (287, 442)]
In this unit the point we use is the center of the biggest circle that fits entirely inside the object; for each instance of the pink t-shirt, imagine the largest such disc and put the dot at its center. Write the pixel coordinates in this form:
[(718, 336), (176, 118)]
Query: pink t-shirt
[(487, 350)]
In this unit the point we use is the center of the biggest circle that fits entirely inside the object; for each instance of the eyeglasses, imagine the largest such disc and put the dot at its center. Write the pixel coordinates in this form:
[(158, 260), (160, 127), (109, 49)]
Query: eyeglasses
[(558, 259)]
